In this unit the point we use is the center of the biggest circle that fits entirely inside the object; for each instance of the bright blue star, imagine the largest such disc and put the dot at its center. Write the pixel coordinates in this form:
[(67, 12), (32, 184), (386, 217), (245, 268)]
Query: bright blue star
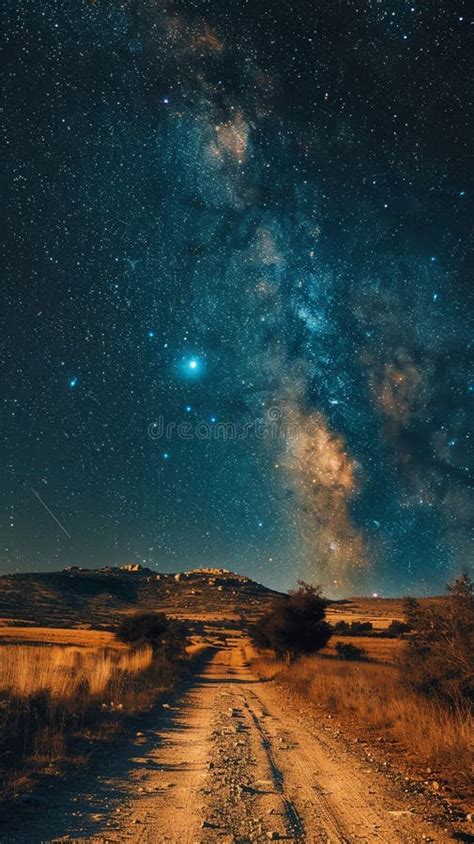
[(213, 419), (151, 333), (433, 259), (165, 455), (462, 193), (73, 382), (188, 408), (192, 367)]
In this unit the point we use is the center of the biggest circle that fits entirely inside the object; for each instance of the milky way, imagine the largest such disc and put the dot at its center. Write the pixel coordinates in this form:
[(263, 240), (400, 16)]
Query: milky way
[(236, 290)]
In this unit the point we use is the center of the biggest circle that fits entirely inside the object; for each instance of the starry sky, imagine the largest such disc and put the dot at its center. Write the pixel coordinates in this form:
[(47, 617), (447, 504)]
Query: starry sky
[(236, 289)]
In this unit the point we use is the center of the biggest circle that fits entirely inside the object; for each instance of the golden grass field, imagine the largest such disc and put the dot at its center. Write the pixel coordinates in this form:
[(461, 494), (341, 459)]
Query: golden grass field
[(64, 636), (64, 672), (58, 685)]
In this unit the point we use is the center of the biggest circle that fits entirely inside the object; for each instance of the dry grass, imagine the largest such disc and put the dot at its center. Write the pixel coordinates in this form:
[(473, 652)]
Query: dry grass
[(64, 672), (59, 636), (380, 611), (53, 696), (372, 698), (379, 623)]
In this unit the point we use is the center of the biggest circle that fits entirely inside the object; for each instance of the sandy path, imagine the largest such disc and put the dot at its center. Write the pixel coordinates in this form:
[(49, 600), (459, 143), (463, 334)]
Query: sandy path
[(231, 761)]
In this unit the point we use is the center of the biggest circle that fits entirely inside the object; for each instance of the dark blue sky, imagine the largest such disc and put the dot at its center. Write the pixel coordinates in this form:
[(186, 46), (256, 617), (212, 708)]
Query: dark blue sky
[(235, 322)]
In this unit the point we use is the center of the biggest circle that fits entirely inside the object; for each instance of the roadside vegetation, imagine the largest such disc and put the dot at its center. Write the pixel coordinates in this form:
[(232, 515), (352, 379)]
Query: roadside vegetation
[(294, 624), (439, 658), (56, 701), (421, 704)]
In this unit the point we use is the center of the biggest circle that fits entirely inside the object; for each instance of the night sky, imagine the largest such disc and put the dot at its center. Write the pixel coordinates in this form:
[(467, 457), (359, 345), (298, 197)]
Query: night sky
[(236, 289)]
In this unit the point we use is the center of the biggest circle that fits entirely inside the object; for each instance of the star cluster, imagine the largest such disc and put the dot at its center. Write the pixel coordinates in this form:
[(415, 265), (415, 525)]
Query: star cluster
[(219, 214)]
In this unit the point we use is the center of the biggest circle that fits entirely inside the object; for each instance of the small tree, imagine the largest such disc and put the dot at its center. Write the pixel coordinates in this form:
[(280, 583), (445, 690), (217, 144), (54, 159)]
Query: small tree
[(439, 656), (294, 624), (396, 628), (354, 628), (166, 636), (346, 650)]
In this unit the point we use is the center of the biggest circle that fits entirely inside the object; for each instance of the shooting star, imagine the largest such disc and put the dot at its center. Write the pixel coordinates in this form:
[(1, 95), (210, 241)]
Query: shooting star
[(38, 496)]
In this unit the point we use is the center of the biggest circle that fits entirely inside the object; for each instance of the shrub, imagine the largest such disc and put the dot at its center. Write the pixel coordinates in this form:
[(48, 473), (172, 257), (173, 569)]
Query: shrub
[(165, 636), (347, 651), (354, 628), (438, 659), (295, 624), (396, 628)]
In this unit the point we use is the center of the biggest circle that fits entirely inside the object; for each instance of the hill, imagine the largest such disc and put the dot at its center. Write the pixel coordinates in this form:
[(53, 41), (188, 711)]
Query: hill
[(79, 597)]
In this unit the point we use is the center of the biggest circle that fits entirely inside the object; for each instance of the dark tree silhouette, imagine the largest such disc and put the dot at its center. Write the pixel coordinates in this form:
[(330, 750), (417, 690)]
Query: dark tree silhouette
[(166, 636), (294, 624), (346, 650), (439, 657)]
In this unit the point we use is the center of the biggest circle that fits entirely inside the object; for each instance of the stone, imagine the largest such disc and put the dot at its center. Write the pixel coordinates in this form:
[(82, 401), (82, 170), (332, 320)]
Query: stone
[(400, 813)]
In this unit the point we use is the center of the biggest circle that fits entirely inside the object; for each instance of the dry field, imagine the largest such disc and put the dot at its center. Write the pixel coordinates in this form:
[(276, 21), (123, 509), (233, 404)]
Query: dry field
[(68, 673), (64, 636), (379, 611), (378, 650), (62, 688)]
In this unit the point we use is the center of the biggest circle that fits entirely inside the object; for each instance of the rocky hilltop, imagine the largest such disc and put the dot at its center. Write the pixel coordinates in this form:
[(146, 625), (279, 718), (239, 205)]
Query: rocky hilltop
[(79, 596)]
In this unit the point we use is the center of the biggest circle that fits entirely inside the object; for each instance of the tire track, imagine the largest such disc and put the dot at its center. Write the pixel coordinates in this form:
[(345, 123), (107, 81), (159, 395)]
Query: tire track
[(294, 821)]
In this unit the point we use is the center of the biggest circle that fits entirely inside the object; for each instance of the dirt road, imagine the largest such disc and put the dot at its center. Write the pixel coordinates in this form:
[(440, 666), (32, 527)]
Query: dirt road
[(231, 761)]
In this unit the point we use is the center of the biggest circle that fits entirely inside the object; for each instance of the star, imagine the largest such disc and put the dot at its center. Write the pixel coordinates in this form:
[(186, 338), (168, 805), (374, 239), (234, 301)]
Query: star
[(192, 367), (73, 381)]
